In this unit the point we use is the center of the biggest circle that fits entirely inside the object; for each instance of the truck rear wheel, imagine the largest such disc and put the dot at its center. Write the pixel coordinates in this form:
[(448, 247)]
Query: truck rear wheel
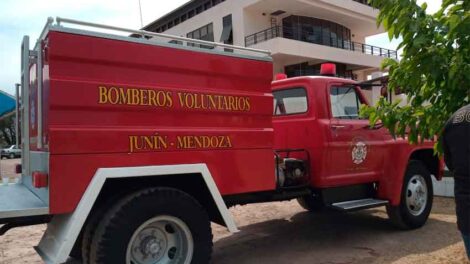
[(416, 198), (157, 225)]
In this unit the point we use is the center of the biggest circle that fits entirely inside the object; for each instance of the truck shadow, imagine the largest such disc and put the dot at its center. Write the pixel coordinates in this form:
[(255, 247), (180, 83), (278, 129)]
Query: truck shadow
[(332, 238)]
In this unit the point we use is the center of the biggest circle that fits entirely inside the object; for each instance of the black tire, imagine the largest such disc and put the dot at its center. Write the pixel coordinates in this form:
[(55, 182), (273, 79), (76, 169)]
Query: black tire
[(401, 216), (311, 203), (89, 229), (76, 252), (116, 228), (11, 156)]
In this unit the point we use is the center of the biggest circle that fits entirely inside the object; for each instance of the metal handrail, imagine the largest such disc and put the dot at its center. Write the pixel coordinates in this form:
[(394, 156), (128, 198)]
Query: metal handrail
[(278, 31), (145, 33)]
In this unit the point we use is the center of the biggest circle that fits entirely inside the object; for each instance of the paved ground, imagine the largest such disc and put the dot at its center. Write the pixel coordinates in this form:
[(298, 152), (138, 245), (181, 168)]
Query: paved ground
[(284, 233)]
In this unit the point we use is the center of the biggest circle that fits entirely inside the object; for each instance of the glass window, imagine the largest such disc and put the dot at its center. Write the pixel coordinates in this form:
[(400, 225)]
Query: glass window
[(203, 33), (326, 37), (290, 101), (345, 102), (334, 39), (315, 30), (340, 37)]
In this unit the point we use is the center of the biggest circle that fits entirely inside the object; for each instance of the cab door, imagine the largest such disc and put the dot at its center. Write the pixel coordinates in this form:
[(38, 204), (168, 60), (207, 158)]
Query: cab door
[(356, 151)]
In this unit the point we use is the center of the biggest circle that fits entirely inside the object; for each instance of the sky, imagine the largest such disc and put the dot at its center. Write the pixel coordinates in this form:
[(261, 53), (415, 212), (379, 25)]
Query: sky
[(28, 17)]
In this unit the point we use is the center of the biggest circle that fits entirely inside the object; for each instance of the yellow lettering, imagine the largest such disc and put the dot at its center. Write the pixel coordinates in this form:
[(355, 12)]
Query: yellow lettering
[(232, 103), (181, 142), (212, 104), (152, 98), (144, 97), (124, 95), (169, 99), (103, 95), (229, 142), (148, 143), (113, 95), (134, 100)]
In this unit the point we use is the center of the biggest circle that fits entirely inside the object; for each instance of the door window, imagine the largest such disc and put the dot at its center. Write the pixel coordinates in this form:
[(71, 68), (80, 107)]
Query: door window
[(345, 102)]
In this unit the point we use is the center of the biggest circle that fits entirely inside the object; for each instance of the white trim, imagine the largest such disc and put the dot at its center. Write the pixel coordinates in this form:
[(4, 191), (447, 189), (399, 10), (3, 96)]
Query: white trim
[(62, 232)]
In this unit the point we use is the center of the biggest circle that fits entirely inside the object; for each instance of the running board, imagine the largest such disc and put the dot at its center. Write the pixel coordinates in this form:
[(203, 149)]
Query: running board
[(359, 204)]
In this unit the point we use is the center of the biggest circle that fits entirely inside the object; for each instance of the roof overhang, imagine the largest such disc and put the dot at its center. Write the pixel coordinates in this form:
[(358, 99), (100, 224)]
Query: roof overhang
[(7, 105)]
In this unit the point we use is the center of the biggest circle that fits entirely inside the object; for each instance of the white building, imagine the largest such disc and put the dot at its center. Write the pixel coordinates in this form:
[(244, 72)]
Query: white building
[(301, 34)]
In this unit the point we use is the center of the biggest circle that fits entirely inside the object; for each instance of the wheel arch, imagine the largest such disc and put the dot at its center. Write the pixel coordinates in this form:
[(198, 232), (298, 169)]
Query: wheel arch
[(63, 231), (190, 183), (430, 160), (391, 189)]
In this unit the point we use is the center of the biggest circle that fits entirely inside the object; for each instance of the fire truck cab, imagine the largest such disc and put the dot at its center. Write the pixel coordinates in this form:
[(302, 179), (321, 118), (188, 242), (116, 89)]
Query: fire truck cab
[(132, 146)]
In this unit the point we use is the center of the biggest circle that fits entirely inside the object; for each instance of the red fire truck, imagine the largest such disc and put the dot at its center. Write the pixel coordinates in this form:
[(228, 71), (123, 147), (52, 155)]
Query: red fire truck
[(132, 146)]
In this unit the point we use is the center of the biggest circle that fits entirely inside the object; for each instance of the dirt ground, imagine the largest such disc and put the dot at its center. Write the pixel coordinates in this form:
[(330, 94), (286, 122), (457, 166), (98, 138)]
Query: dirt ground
[(283, 232)]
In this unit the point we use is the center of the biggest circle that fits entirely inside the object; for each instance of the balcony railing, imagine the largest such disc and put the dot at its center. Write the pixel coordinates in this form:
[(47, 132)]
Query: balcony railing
[(284, 32)]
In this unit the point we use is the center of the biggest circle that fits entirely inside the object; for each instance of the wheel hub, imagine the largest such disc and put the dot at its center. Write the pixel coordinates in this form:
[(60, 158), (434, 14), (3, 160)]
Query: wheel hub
[(416, 195), (150, 245), (161, 240)]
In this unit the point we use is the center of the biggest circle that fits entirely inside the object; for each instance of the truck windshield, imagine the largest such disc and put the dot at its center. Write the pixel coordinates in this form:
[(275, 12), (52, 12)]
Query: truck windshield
[(290, 101), (345, 102)]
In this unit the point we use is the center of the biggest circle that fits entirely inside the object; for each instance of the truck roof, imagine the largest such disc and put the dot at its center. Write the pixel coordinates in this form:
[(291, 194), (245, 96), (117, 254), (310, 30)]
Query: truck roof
[(280, 84), (152, 38)]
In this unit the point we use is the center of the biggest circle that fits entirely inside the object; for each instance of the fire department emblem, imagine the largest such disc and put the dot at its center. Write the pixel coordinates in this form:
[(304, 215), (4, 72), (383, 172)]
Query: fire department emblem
[(359, 152)]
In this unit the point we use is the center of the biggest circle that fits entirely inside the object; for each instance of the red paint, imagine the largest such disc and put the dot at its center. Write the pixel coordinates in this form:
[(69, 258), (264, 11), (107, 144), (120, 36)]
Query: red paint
[(39, 179), (330, 141), (83, 135), (18, 168), (280, 76), (328, 69)]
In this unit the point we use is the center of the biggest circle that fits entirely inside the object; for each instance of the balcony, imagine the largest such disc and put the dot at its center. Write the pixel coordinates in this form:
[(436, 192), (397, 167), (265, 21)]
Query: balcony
[(319, 39)]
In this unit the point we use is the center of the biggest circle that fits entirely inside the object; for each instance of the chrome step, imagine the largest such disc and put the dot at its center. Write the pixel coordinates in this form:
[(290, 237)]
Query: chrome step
[(359, 204)]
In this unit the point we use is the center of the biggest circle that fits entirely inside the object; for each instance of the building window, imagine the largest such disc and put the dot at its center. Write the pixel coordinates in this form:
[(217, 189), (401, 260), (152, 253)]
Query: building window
[(227, 32), (316, 31), (204, 33), (304, 69), (290, 101), (184, 14)]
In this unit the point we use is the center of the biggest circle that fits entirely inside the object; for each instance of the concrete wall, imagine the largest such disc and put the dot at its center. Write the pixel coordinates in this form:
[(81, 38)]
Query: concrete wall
[(252, 16), (310, 50), (215, 15), (445, 187)]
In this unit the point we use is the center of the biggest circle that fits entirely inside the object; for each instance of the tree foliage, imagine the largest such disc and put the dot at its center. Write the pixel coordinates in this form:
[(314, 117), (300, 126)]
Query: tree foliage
[(7, 131), (434, 71)]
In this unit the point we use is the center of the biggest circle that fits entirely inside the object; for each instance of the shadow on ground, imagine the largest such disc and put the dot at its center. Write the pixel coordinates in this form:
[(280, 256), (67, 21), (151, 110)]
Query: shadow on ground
[(332, 238)]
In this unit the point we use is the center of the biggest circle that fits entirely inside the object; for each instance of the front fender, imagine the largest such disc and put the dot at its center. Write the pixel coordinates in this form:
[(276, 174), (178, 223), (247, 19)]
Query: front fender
[(395, 165)]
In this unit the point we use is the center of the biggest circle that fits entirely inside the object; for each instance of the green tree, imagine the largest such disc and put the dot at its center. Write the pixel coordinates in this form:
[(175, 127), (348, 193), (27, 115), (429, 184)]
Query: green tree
[(434, 71), (7, 131)]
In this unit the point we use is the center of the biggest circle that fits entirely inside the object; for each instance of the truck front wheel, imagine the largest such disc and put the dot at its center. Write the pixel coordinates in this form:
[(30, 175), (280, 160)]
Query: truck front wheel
[(416, 198), (156, 225)]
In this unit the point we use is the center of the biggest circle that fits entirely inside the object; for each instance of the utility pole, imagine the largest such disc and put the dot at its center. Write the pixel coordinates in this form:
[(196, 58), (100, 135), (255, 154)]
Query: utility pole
[(141, 20)]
